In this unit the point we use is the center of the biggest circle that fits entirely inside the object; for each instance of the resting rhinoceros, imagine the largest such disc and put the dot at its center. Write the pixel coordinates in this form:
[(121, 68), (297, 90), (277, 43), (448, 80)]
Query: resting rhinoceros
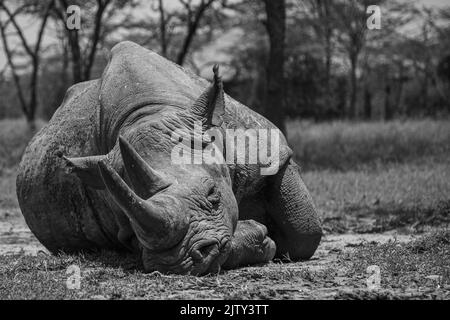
[(100, 175)]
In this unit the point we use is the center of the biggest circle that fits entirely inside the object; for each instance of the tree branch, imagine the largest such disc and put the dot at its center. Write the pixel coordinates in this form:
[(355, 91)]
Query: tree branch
[(192, 26), (16, 78), (19, 31)]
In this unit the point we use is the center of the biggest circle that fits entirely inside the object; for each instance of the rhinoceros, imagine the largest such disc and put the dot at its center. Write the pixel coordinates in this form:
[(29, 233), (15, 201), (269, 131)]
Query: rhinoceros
[(100, 175)]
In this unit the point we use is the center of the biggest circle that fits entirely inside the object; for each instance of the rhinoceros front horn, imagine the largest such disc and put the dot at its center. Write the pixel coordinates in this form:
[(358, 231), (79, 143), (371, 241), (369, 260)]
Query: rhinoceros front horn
[(153, 222), (145, 181)]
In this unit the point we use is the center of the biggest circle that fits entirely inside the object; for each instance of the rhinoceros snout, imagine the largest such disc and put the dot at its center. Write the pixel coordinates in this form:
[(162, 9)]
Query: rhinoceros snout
[(209, 257), (204, 251)]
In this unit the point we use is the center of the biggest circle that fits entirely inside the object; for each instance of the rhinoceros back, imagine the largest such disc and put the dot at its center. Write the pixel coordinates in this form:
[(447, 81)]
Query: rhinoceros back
[(58, 208)]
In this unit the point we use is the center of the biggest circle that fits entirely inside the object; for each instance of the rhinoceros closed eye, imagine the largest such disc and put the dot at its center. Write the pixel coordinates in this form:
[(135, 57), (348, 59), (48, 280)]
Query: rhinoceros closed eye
[(213, 195)]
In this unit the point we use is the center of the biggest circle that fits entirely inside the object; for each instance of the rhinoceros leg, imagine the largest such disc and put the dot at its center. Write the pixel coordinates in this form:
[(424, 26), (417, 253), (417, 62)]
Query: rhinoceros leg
[(250, 245), (296, 229)]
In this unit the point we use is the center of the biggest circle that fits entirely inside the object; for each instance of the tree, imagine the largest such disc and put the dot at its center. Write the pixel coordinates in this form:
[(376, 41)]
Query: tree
[(85, 43), (162, 27), (351, 18), (194, 15), (441, 72), (276, 29), (33, 52), (322, 21), (176, 26)]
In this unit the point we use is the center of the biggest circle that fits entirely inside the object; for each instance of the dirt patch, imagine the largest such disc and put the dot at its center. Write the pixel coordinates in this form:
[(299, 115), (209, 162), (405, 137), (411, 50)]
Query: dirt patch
[(16, 237)]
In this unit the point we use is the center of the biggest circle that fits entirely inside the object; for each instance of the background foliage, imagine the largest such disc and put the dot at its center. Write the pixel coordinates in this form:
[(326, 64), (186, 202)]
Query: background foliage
[(332, 66)]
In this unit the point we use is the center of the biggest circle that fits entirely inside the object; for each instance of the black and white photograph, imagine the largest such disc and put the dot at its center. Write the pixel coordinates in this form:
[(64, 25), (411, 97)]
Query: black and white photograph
[(248, 151)]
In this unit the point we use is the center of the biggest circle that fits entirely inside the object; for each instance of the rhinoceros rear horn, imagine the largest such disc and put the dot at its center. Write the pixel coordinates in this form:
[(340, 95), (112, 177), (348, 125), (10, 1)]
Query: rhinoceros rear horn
[(145, 180), (210, 106), (144, 213), (86, 169)]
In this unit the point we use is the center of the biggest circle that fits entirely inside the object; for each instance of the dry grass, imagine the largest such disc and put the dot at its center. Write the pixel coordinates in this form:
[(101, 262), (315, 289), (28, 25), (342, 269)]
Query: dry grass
[(418, 269), (368, 177), (373, 177), (14, 137), (423, 263), (8, 197), (382, 199), (348, 146)]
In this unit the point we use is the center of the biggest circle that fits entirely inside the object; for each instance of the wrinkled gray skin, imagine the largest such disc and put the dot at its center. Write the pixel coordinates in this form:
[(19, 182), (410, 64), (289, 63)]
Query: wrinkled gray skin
[(100, 175)]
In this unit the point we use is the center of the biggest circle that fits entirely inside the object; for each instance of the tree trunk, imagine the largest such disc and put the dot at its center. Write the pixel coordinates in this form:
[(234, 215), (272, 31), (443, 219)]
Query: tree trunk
[(398, 100), (31, 123), (274, 107), (367, 103), (329, 99), (388, 112), (82, 62), (324, 14), (424, 95), (353, 88), (162, 28), (77, 66), (95, 38)]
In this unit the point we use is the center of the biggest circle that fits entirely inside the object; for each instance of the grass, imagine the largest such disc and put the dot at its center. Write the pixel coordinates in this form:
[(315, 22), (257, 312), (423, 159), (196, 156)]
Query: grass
[(375, 176), (376, 200), (423, 263), (113, 276), (364, 178), (8, 199), (348, 146), (14, 137), (418, 269)]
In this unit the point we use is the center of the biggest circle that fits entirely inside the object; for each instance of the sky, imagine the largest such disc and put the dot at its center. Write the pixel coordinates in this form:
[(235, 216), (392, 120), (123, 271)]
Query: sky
[(435, 2), (31, 26)]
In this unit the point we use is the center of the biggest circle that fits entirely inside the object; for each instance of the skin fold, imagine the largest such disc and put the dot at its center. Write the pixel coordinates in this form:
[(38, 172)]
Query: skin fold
[(100, 175)]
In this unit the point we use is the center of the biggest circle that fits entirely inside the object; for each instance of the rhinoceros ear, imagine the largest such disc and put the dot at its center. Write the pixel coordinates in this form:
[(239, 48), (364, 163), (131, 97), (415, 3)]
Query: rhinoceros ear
[(86, 168), (210, 106)]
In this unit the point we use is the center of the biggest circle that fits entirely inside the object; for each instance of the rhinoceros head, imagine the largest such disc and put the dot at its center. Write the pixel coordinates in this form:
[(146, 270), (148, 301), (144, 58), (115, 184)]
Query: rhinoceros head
[(183, 215)]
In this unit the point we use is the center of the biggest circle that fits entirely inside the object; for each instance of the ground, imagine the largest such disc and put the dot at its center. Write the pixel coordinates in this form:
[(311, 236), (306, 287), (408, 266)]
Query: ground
[(382, 192)]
